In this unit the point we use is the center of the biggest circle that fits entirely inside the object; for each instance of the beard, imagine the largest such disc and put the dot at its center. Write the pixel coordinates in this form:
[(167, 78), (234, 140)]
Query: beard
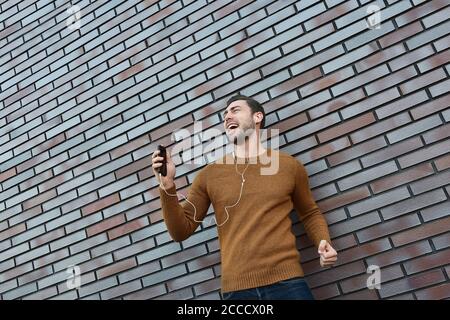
[(242, 133)]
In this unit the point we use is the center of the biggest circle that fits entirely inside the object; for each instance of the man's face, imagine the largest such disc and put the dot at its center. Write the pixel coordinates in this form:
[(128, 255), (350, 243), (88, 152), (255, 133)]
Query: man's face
[(238, 121)]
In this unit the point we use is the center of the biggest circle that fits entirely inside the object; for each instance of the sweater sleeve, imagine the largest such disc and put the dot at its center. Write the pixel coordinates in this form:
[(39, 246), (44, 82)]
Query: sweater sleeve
[(179, 216), (309, 213)]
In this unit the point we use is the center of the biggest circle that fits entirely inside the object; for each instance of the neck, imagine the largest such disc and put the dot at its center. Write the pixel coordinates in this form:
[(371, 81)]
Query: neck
[(251, 148)]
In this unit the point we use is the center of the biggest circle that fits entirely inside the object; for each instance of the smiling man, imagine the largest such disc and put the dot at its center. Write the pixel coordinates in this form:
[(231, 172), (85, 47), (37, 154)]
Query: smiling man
[(259, 258)]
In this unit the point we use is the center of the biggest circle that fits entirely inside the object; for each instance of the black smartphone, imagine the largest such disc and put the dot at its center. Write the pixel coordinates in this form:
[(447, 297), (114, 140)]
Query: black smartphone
[(162, 153)]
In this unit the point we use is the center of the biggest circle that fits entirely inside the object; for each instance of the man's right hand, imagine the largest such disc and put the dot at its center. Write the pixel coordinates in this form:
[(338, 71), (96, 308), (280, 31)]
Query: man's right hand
[(168, 180)]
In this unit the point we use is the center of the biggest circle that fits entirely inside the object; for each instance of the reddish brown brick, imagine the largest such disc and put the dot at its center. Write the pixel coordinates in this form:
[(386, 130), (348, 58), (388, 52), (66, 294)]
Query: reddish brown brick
[(411, 283), (116, 268), (422, 232), (430, 261), (105, 225), (100, 204), (400, 254), (438, 292), (128, 228)]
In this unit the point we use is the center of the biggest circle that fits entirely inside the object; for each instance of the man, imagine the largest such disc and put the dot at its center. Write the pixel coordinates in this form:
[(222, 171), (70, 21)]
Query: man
[(259, 258)]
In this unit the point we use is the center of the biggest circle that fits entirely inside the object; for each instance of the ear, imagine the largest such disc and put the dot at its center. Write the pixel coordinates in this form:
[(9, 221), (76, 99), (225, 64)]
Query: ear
[(257, 117)]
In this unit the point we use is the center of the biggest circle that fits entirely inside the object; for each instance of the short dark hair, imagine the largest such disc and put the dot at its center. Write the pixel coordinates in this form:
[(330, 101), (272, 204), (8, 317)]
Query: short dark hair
[(254, 105)]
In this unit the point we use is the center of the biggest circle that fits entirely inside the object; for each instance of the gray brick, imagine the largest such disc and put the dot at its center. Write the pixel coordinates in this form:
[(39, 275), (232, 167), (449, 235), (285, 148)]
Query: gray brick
[(163, 238), (414, 128), (205, 65), (29, 234), (222, 45), (142, 35), (116, 89), (339, 35), (111, 246), (16, 160), (20, 292), (184, 86), (16, 179), (87, 146), (85, 279), (440, 88), (69, 295), (58, 201), (348, 58), (109, 145), (199, 237), (217, 26), (164, 275), (89, 243), (123, 206), (356, 81), (96, 184), (73, 183), (369, 103), (51, 77), (22, 197), (148, 231), (134, 249), (42, 294), (302, 16), (93, 264), (123, 108), (150, 87), (135, 189), (97, 286), (158, 252), (190, 106), (266, 83), (43, 218), (62, 127), (125, 127), (106, 55), (8, 285), (32, 254), (23, 128), (66, 145), (148, 126), (139, 271), (84, 222), (74, 259), (66, 241), (357, 14), (369, 35), (120, 184), (64, 219), (53, 279), (92, 108), (121, 290)]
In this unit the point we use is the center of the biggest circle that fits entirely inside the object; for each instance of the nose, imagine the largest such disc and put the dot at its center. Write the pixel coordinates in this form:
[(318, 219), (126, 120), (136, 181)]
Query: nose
[(228, 116)]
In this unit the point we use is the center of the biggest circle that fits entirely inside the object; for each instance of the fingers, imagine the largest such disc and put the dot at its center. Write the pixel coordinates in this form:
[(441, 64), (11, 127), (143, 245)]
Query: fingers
[(322, 246), (157, 159), (333, 260), (329, 254), (327, 263)]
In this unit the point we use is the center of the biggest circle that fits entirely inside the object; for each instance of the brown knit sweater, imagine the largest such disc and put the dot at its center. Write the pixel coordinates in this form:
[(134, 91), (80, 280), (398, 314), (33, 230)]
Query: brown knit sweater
[(256, 242)]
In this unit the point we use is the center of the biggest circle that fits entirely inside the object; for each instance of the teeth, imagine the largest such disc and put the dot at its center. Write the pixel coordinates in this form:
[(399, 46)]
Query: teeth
[(232, 126)]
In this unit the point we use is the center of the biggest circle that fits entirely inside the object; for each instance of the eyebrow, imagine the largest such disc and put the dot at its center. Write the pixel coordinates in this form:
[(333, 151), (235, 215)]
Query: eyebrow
[(232, 108)]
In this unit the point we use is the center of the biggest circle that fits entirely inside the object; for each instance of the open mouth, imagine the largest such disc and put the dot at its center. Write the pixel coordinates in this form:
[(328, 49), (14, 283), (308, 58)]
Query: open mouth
[(232, 126)]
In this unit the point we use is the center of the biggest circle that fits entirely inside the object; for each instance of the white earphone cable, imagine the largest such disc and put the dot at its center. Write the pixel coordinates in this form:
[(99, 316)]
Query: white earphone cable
[(226, 207)]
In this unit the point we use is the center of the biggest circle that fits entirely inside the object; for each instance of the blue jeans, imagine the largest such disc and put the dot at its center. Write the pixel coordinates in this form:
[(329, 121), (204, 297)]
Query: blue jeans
[(290, 289)]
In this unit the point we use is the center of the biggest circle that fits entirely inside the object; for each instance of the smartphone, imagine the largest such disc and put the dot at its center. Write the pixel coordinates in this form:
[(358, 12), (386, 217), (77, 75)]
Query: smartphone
[(162, 153)]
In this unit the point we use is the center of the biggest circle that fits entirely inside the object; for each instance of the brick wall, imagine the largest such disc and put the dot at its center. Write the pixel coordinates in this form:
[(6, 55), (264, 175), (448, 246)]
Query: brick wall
[(81, 111)]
